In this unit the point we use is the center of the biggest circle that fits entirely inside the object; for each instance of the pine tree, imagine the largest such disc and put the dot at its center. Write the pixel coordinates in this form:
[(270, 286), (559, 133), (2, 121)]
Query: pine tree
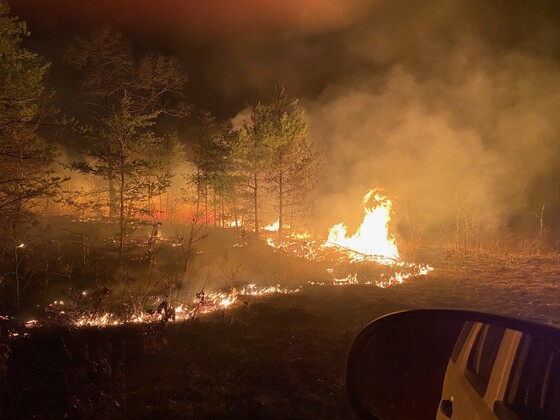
[(277, 157), (127, 99), (253, 152), (215, 170), (26, 160)]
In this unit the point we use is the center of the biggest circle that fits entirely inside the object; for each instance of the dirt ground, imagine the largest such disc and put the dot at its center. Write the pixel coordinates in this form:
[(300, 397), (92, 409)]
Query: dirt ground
[(281, 356)]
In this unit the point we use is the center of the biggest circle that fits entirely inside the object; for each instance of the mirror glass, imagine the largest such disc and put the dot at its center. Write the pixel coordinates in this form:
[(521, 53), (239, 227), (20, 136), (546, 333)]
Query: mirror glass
[(441, 367)]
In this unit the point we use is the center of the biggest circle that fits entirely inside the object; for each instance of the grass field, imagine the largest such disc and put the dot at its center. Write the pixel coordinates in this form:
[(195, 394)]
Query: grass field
[(281, 356)]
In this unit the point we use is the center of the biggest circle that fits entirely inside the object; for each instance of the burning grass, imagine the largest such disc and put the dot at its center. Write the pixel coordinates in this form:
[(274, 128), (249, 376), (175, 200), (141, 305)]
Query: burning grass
[(274, 356), (152, 283), (275, 348)]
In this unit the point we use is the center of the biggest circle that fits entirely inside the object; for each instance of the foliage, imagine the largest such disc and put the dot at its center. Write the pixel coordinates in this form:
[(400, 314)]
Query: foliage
[(277, 157), (127, 98), (26, 172), (294, 164), (215, 166), (241, 168), (27, 175)]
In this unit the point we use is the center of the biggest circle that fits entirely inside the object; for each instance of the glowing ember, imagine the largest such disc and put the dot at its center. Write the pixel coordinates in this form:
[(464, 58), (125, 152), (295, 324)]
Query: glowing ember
[(31, 323), (301, 236), (372, 237), (350, 279)]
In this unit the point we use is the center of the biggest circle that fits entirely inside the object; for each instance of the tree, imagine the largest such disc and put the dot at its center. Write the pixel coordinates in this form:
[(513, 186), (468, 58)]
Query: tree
[(253, 152), (127, 99), (105, 60), (26, 160), (277, 157), (204, 161), (227, 181), (294, 165), (214, 162), (299, 177)]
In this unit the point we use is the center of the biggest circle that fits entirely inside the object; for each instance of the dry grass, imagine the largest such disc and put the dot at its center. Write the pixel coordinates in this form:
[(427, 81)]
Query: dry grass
[(276, 357)]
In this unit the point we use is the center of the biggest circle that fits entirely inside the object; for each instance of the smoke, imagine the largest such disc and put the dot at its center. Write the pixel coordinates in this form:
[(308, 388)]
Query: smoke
[(445, 124), (449, 106)]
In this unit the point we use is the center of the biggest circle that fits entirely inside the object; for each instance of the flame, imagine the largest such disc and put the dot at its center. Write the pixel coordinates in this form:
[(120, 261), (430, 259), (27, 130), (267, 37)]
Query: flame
[(233, 223), (273, 227), (370, 243), (204, 303), (372, 237), (292, 236)]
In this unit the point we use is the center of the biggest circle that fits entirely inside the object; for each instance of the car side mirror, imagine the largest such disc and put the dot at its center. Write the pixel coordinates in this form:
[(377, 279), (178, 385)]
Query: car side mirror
[(440, 364)]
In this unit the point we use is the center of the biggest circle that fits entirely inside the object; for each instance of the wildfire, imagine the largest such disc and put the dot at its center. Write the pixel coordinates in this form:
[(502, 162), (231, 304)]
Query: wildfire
[(204, 303), (373, 243), (372, 239), (293, 234), (292, 240), (369, 256)]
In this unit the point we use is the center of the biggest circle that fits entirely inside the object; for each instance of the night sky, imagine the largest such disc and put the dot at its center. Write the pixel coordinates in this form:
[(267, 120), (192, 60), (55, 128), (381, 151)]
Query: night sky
[(235, 49), (231, 49), (428, 98)]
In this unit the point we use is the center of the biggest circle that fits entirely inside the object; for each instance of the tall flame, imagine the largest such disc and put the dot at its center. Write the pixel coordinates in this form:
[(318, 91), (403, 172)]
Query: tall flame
[(372, 237)]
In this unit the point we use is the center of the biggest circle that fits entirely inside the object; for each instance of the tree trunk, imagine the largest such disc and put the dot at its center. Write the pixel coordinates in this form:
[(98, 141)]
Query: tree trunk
[(168, 209), (291, 219), (18, 279), (256, 204), (222, 223), (198, 194), (122, 226), (234, 205), (214, 209), (280, 206), (121, 215), (206, 204), (112, 192)]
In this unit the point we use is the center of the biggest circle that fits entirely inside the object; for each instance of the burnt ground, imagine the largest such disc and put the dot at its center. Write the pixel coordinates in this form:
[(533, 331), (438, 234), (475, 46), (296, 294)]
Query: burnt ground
[(281, 356)]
